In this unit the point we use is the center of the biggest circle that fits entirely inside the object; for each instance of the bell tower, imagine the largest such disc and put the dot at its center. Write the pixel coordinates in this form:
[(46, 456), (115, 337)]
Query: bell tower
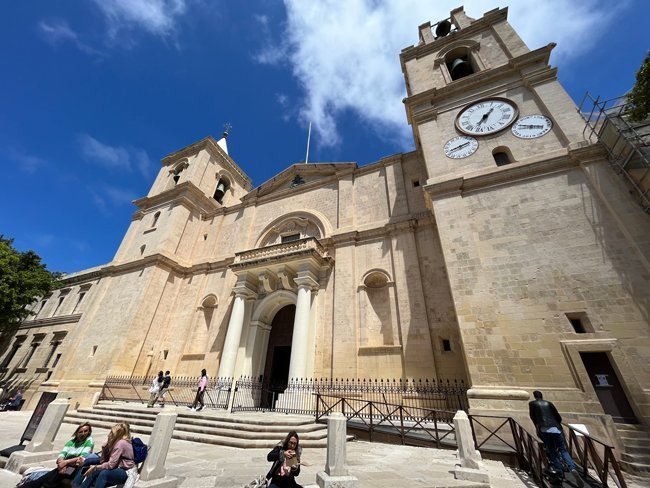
[(531, 220), (479, 99)]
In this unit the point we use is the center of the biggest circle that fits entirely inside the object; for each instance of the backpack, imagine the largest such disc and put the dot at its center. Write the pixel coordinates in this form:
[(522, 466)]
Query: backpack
[(139, 450)]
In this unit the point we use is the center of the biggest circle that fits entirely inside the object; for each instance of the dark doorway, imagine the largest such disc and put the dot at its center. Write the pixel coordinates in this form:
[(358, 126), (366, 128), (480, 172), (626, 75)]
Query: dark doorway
[(278, 356), (608, 387)]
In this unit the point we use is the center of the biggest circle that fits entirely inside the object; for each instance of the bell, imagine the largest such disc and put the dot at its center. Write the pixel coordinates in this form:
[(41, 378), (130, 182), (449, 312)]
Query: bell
[(460, 68), (444, 26), (220, 191)]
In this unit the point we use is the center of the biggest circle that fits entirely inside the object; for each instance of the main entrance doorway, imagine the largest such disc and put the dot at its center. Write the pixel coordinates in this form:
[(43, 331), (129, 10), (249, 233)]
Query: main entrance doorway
[(278, 356), (608, 387)]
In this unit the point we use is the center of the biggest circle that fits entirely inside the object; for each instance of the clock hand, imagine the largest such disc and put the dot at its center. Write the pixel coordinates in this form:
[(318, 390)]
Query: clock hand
[(460, 147), (485, 116)]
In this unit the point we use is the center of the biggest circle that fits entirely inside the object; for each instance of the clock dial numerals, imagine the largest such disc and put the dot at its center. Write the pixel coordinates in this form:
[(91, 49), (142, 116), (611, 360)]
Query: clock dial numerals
[(460, 147), (532, 126), (486, 116)]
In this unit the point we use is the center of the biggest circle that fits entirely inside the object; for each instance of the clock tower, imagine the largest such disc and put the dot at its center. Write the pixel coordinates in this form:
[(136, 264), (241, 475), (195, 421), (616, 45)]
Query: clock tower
[(538, 236)]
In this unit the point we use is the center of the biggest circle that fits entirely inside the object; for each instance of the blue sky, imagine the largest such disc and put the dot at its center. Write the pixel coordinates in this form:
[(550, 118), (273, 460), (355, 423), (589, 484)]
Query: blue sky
[(93, 94)]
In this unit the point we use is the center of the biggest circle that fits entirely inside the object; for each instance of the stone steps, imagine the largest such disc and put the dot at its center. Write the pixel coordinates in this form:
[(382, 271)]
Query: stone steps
[(636, 441), (246, 430)]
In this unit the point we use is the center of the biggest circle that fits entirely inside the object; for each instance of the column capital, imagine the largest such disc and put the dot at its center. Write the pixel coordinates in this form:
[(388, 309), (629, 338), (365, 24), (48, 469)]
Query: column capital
[(243, 290), (306, 280)]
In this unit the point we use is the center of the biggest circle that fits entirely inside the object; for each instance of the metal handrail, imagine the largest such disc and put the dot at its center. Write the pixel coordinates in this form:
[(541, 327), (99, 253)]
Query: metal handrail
[(400, 419), (588, 455)]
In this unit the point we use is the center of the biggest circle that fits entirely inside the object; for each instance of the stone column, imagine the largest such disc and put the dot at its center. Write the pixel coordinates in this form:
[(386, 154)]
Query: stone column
[(154, 466), (336, 470), (470, 467), (300, 341), (41, 447), (233, 336)]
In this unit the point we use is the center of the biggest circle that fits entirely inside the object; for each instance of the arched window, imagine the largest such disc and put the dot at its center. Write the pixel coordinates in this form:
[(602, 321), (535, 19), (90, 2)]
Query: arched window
[(176, 171), (222, 187), (459, 63), (156, 216), (502, 156)]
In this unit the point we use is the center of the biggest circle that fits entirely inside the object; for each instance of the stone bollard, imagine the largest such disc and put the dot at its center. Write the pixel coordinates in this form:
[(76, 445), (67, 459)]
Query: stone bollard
[(153, 473), (336, 470), (95, 399), (41, 447), (471, 466)]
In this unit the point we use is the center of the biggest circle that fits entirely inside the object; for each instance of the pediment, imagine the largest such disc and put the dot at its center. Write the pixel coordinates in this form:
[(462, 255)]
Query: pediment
[(299, 176)]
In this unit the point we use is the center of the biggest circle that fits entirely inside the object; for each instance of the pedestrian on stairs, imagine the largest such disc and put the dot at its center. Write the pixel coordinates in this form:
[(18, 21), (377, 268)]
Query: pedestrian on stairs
[(548, 423), (156, 385), (203, 384), (167, 379)]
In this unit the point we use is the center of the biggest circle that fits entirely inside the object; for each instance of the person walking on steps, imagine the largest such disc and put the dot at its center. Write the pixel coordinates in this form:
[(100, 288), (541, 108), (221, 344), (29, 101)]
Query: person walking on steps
[(548, 423), (167, 379), (203, 384), (156, 385)]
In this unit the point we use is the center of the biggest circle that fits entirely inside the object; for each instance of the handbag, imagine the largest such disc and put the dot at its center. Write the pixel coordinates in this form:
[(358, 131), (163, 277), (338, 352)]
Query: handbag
[(260, 482), (132, 477)]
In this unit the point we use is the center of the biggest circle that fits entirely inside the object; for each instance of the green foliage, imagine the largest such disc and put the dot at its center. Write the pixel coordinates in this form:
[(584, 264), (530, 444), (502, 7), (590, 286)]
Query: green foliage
[(23, 278), (639, 96)]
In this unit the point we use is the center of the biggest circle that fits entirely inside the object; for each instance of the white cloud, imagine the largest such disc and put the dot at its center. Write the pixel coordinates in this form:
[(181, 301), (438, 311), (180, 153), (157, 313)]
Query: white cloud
[(106, 197), (115, 157), (112, 157), (58, 31), (345, 55), (156, 16), (27, 162)]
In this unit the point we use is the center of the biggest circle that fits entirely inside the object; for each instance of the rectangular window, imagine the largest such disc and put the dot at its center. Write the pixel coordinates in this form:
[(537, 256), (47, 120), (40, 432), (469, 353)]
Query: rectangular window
[(53, 349), (12, 354), (82, 294), (31, 352), (290, 238), (579, 322), (446, 345), (56, 361), (58, 305)]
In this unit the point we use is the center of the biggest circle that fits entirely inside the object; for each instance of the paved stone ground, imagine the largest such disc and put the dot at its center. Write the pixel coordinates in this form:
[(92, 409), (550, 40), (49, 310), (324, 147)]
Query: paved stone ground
[(207, 466)]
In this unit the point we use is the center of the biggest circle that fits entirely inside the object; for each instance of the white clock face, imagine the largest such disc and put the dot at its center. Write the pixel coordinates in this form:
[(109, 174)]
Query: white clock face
[(486, 116), (532, 126), (460, 147)]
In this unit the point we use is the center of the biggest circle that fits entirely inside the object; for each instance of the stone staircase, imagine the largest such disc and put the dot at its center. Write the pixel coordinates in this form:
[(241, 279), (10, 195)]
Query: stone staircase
[(246, 430), (636, 457)]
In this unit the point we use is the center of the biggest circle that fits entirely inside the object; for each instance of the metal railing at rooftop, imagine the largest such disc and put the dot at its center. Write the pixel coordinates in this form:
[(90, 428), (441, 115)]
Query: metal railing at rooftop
[(627, 143)]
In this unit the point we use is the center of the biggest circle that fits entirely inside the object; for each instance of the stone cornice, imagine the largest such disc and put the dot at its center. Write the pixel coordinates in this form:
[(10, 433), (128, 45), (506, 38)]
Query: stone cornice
[(209, 144), (49, 321), (186, 194), (547, 164), (490, 18)]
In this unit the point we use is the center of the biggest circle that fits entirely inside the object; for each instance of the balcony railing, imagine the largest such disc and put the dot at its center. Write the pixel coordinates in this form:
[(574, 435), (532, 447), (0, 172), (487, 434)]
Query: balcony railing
[(293, 248)]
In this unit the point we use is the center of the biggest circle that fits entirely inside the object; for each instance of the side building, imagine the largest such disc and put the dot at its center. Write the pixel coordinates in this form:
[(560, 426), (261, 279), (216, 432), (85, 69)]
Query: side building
[(504, 252)]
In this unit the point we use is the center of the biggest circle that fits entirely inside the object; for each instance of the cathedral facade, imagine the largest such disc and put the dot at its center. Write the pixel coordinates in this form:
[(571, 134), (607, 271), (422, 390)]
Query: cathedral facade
[(503, 251)]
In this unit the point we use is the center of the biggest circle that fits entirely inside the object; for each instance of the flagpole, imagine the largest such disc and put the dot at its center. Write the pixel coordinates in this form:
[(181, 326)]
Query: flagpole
[(308, 138)]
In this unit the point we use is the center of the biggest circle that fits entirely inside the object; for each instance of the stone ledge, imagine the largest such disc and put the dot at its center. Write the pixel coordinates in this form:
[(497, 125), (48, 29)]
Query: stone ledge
[(498, 394)]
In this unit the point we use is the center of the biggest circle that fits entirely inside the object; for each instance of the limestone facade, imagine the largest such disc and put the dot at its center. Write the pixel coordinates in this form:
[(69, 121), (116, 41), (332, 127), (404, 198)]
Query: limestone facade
[(417, 266)]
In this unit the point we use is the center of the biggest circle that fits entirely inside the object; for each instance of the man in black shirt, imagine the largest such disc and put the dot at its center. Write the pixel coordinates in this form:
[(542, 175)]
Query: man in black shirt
[(548, 423), (167, 379)]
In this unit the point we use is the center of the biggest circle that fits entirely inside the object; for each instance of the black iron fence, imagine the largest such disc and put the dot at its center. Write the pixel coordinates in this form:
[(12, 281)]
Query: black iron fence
[(182, 390), (299, 395), (411, 425)]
